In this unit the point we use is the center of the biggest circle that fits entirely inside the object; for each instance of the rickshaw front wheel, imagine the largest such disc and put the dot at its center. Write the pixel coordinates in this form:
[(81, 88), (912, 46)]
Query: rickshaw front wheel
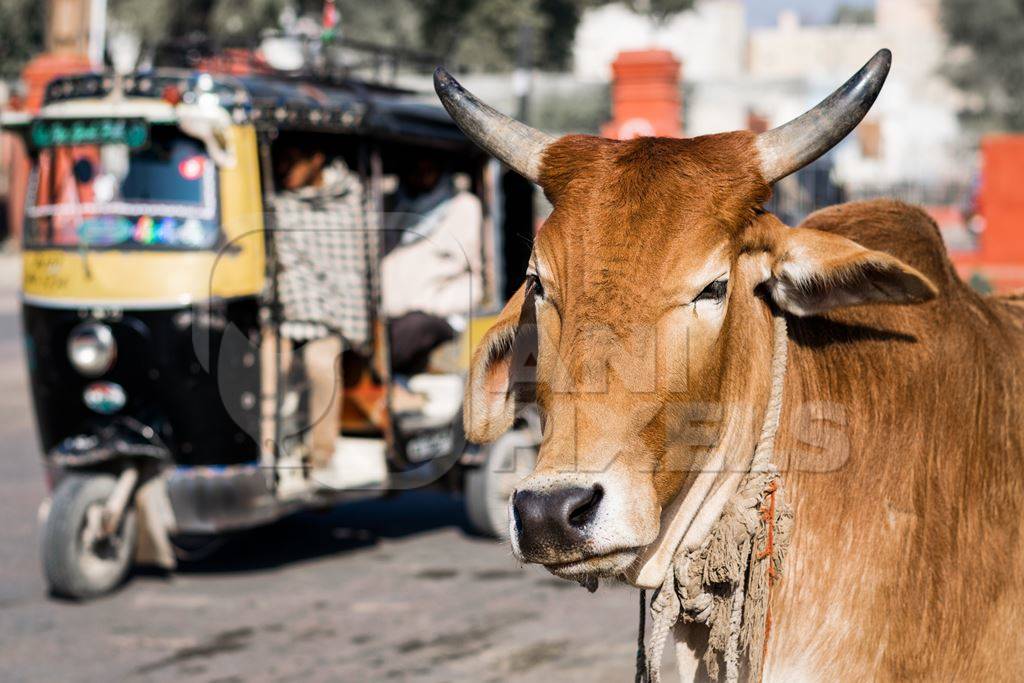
[(79, 561), (488, 487)]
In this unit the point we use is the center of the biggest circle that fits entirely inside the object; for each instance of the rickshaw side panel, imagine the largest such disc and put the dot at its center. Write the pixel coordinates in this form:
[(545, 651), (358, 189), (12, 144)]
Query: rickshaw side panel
[(69, 278), (241, 263)]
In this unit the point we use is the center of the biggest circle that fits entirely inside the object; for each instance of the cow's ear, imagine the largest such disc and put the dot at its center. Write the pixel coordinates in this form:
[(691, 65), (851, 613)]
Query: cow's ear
[(502, 371), (814, 272)]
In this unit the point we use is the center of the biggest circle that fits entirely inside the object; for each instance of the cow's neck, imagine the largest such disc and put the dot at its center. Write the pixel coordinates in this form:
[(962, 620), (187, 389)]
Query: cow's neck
[(686, 521)]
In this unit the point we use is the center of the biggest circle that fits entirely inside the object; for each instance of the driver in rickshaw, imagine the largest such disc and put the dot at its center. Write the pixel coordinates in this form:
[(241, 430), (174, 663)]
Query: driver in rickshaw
[(324, 251)]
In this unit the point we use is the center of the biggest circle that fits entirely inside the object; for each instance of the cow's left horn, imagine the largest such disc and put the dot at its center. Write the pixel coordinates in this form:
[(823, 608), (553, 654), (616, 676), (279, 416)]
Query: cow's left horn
[(793, 145), (518, 145)]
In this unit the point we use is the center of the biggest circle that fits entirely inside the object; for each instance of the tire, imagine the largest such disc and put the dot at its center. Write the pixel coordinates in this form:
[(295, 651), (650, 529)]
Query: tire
[(71, 569), (488, 487)]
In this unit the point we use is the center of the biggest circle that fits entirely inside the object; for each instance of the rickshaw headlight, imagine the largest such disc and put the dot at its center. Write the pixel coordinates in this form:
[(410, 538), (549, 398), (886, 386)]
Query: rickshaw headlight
[(92, 349)]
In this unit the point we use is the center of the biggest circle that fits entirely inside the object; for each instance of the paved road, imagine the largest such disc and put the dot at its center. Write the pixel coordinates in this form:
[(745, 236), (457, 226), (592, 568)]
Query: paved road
[(379, 591)]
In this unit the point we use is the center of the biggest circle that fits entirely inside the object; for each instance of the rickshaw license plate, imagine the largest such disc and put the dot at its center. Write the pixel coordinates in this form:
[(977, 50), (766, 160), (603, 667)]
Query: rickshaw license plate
[(64, 132), (428, 446)]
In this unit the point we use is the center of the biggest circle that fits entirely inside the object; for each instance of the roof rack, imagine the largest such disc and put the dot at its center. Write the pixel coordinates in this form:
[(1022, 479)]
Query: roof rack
[(275, 101)]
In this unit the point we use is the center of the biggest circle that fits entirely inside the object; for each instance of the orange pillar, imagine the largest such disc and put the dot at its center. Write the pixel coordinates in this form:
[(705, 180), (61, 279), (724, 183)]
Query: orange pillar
[(1002, 199), (645, 95), (998, 259)]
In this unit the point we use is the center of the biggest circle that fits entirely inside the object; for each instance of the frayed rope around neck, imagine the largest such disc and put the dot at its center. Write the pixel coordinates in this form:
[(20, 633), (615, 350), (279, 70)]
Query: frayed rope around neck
[(726, 582)]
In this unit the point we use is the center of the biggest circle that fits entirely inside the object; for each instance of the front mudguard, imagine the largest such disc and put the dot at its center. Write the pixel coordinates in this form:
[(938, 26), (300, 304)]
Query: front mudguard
[(110, 445), (113, 448)]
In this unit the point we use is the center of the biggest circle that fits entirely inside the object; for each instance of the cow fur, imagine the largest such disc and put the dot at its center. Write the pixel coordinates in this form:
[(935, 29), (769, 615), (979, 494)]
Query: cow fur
[(906, 556), (900, 439)]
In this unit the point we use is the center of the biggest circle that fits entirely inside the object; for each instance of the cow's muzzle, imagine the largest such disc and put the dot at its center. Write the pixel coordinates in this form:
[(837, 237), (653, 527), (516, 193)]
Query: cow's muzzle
[(557, 521), (578, 524)]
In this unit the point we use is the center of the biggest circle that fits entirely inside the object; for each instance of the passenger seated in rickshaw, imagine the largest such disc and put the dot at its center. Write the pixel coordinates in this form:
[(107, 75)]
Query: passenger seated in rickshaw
[(431, 272), (324, 254)]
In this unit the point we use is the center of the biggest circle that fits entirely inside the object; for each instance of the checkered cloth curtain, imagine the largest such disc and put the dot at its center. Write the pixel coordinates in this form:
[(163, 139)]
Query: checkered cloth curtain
[(327, 251)]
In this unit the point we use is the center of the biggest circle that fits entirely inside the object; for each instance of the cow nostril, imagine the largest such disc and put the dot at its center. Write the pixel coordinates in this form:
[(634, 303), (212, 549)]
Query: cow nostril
[(517, 520), (584, 511)]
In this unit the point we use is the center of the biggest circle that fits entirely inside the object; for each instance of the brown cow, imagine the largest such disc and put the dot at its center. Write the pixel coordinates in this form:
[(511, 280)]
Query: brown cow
[(651, 292)]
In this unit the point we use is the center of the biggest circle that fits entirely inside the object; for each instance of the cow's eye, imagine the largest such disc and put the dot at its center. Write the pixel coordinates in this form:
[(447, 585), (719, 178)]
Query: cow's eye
[(713, 292), (534, 285)]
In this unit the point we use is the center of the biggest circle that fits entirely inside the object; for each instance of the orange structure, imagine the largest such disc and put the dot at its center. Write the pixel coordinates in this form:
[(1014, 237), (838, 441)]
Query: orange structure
[(998, 262), (41, 70), (645, 95), (67, 30), (36, 75)]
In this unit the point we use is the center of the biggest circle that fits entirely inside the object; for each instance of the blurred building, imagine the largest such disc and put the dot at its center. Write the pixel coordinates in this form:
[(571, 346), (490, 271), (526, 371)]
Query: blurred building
[(711, 40), (737, 77)]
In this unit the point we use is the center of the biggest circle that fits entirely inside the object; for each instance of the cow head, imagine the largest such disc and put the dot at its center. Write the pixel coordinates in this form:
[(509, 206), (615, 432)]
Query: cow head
[(643, 328)]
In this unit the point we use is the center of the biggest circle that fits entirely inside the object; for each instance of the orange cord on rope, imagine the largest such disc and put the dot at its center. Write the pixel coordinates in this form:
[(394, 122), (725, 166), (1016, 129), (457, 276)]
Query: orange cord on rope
[(768, 516)]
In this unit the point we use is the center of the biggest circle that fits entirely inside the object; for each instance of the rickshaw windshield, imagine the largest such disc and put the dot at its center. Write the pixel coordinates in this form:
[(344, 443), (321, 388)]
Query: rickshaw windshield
[(162, 195)]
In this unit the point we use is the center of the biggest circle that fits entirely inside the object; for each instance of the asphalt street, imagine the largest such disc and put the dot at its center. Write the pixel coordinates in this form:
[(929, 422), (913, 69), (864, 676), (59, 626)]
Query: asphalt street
[(388, 590)]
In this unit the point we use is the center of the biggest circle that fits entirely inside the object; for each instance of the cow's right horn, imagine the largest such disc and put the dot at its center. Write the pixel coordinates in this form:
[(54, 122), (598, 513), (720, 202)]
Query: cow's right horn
[(519, 146), (793, 145)]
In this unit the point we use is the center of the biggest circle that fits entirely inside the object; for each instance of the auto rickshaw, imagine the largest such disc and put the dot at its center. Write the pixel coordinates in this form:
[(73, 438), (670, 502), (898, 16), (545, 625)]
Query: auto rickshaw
[(151, 323)]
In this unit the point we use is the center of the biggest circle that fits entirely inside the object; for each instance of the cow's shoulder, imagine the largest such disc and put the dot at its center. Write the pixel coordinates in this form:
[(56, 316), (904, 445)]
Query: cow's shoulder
[(905, 231)]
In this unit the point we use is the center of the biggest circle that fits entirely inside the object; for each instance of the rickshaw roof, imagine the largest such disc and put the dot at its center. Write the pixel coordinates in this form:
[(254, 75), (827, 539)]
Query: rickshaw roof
[(272, 102)]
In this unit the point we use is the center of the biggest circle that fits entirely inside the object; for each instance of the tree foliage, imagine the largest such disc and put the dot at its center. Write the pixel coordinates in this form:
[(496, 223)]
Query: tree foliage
[(993, 70), (21, 33), (493, 35), (150, 21), (853, 14), (487, 35), (658, 10)]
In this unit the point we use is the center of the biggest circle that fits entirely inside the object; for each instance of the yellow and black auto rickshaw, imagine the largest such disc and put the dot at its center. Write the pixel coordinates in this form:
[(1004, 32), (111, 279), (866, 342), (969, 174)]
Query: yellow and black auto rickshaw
[(151, 323)]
